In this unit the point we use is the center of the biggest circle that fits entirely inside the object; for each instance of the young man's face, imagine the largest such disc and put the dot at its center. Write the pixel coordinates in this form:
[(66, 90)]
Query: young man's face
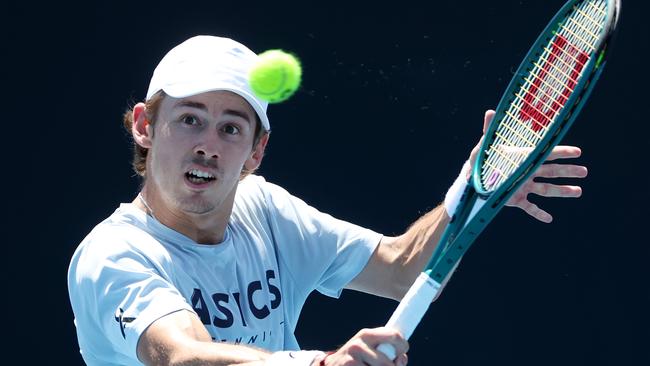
[(199, 146)]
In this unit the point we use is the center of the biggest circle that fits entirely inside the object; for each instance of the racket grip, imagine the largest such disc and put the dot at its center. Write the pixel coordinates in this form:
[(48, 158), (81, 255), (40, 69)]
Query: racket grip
[(410, 310), (388, 350)]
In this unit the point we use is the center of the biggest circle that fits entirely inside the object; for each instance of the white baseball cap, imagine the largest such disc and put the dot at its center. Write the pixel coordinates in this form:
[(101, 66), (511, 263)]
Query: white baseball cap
[(208, 63)]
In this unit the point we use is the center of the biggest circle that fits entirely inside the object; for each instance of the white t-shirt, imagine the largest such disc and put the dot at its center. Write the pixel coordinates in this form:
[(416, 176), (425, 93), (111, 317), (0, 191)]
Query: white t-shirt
[(131, 270)]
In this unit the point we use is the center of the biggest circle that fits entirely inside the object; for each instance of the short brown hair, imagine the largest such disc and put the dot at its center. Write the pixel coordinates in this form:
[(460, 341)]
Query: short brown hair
[(152, 106)]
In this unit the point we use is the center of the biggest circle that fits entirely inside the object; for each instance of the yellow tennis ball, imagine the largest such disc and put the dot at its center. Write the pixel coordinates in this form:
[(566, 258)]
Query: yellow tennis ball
[(275, 76)]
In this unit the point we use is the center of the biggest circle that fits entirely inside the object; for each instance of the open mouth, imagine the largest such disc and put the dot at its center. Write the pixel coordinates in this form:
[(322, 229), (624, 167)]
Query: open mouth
[(199, 177)]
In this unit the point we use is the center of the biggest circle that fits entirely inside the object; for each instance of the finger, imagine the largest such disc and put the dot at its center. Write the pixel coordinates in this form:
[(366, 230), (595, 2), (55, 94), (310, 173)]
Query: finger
[(489, 115), (564, 152), (561, 171), (536, 212), (474, 154), (402, 360), (372, 357), (376, 336), (553, 190), (378, 358), (367, 355)]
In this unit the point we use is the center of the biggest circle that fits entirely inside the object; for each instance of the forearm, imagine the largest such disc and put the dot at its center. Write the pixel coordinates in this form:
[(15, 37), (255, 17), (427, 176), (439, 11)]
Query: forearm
[(198, 353), (398, 261), (415, 247), (181, 339)]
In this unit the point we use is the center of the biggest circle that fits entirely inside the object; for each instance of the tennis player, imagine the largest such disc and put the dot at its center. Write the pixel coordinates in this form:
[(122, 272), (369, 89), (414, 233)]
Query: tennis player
[(211, 264)]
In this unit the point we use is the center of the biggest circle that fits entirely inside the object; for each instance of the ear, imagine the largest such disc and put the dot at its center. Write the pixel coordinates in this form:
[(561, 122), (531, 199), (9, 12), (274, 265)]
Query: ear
[(141, 129), (255, 159)]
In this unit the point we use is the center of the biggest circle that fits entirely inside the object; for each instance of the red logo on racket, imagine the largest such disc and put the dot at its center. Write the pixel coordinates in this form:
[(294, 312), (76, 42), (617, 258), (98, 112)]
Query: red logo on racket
[(553, 86)]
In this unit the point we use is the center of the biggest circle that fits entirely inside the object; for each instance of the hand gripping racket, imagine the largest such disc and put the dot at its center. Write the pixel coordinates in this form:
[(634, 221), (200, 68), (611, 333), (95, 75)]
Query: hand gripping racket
[(542, 100)]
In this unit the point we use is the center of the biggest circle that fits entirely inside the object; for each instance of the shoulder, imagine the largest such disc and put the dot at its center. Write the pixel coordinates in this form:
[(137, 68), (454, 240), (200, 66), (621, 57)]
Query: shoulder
[(257, 187), (251, 187), (117, 240), (255, 192)]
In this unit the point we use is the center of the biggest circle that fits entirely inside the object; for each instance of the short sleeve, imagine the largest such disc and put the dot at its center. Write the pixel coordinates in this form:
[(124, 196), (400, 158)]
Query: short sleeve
[(319, 251), (117, 292)]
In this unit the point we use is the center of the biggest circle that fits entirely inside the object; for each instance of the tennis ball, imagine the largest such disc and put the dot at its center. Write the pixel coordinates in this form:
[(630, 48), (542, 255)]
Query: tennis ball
[(275, 76)]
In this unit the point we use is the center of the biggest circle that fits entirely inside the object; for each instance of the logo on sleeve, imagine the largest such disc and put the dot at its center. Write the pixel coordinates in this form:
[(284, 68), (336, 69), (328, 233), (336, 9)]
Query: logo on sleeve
[(122, 320)]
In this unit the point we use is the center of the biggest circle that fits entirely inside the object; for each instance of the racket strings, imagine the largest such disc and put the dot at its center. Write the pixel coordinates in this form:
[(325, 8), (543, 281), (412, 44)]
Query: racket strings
[(545, 89), (585, 27)]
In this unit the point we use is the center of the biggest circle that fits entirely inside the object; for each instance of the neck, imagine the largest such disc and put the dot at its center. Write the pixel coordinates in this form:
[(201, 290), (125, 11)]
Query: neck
[(203, 228)]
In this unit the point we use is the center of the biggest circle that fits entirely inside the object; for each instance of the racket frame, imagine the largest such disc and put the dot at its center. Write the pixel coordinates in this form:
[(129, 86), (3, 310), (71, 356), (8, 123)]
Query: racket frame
[(464, 227), (472, 216)]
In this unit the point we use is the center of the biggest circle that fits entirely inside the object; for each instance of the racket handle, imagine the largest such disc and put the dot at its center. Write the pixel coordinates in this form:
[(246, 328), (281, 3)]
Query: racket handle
[(388, 350), (410, 310)]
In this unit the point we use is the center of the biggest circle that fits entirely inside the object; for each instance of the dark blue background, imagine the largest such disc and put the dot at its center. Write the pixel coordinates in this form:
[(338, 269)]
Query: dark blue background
[(391, 103)]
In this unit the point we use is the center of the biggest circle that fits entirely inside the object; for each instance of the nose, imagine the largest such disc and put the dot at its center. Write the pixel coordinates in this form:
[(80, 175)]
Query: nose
[(208, 145)]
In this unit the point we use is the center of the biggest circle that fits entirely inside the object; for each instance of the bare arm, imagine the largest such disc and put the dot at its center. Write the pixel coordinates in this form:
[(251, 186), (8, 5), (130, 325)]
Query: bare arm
[(397, 261), (181, 339)]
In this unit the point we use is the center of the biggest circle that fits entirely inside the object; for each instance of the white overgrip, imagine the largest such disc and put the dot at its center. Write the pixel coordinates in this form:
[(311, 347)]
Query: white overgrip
[(411, 309)]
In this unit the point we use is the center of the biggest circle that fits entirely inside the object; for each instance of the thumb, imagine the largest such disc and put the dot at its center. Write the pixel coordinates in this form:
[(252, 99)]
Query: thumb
[(489, 115)]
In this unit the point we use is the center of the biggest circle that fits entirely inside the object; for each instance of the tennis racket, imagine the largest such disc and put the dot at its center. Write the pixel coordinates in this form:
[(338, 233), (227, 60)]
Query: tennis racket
[(541, 102)]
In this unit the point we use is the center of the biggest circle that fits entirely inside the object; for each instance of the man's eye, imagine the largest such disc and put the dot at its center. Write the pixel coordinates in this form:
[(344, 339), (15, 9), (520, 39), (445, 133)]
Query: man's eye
[(231, 130), (189, 120)]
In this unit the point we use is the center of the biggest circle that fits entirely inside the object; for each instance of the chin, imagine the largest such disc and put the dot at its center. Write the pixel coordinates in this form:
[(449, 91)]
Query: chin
[(198, 207), (204, 201)]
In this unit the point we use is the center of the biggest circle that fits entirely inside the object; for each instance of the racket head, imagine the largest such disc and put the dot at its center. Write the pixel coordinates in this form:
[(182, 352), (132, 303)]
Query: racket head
[(545, 94)]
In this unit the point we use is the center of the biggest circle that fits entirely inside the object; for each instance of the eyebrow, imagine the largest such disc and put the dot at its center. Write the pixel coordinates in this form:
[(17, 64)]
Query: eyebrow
[(203, 107)]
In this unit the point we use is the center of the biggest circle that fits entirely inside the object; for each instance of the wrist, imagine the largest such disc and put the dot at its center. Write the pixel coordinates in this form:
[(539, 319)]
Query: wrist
[(455, 192), (293, 358)]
